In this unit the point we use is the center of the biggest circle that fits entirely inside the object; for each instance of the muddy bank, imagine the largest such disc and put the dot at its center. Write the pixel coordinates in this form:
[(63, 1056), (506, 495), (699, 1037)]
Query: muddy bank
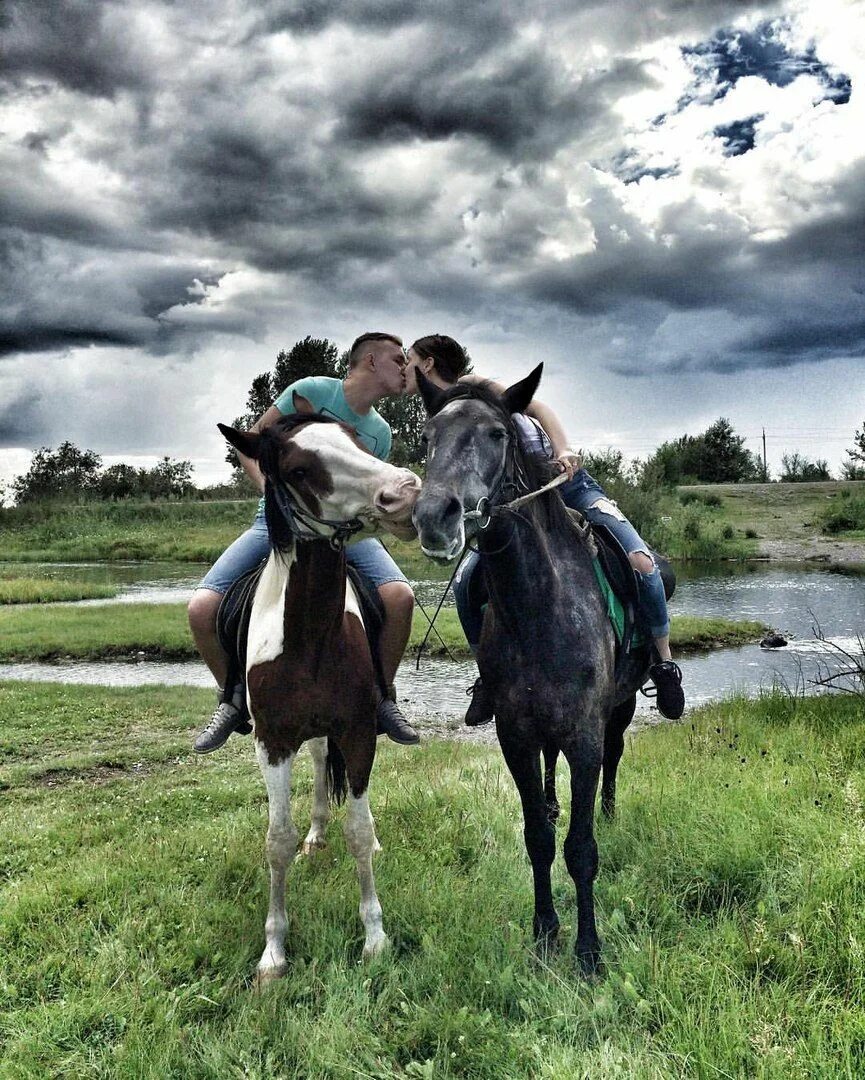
[(817, 549)]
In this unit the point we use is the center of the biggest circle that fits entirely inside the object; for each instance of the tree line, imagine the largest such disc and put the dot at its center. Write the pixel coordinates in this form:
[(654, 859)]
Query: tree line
[(716, 456)]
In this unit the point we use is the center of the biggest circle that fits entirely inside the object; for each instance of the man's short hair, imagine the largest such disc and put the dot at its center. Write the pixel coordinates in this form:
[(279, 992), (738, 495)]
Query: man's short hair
[(356, 351)]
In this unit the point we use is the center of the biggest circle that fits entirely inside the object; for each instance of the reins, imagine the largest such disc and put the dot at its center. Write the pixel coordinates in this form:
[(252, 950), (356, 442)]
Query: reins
[(293, 513)]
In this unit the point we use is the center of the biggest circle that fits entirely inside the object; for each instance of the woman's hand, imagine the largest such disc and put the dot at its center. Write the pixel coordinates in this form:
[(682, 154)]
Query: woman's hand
[(569, 461)]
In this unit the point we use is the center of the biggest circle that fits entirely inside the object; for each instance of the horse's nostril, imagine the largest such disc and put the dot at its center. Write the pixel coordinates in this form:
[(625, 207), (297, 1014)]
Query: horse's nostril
[(453, 508)]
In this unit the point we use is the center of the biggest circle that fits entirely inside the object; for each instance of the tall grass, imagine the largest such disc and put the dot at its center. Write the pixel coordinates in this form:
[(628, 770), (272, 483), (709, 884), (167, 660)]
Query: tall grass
[(730, 899)]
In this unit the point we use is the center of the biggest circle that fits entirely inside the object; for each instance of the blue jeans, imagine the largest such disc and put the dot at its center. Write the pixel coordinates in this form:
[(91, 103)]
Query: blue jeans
[(585, 494), (251, 547)]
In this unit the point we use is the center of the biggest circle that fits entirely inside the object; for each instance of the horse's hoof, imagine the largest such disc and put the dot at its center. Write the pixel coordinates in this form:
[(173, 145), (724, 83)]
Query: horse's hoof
[(310, 847), (376, 946), (264, 976), (589, 963)]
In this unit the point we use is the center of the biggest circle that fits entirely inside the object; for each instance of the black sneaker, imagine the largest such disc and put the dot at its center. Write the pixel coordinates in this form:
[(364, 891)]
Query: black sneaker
[(229, 716), (481, 709), (667, 678), (391, 722)]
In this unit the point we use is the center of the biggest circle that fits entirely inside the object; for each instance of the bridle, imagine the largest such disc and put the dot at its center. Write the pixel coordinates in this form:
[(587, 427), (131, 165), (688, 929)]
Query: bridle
[(295, 516)]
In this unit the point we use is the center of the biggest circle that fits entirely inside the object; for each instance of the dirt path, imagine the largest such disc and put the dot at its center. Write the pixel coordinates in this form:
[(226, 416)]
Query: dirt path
[(819, 549)]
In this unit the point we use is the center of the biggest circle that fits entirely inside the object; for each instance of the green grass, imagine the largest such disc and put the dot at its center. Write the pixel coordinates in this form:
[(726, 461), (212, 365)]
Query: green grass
[(133, 893), (161, 632), (96, 532), (845, 517), (34, 590), (779, 511)]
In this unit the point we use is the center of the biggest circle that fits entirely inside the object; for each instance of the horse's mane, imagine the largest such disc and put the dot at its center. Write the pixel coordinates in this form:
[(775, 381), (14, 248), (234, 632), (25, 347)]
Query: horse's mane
[(548, 511)]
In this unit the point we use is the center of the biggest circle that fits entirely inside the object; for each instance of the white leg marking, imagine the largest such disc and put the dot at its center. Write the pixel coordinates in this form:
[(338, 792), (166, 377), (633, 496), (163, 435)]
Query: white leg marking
[(360, 838), (281, 848), (315, 838)]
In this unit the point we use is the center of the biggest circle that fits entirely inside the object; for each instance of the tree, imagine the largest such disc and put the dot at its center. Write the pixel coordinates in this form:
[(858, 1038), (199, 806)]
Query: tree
[(67, 473), (167, 479), (318, 356), (854, 468), (718, 456), (797, 469)]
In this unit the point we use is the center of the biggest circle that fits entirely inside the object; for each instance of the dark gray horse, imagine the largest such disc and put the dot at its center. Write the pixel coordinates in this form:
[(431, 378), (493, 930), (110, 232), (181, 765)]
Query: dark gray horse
[(547, 652)]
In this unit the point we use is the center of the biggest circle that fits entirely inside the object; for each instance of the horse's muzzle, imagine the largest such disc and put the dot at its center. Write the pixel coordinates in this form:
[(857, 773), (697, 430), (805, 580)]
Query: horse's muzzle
[(394, 503), (438, 518)]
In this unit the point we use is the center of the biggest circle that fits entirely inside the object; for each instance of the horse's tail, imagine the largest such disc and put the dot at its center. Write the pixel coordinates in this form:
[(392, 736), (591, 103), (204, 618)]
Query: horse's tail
[(336, 775)]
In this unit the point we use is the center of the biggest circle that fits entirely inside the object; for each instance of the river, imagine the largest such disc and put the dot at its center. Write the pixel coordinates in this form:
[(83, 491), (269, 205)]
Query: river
[(798, 601)]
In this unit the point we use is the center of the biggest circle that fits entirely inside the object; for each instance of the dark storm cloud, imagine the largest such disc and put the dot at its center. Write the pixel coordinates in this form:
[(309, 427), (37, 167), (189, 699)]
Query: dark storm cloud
[(79, 44), (229, 157), (524, 107)]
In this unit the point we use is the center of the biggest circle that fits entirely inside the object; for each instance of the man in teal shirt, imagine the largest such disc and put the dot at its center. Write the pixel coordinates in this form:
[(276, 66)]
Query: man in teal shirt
[(375, 371)]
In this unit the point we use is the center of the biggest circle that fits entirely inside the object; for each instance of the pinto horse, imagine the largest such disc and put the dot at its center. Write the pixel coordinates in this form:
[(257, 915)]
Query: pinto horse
[(547, 651), (310, 674)]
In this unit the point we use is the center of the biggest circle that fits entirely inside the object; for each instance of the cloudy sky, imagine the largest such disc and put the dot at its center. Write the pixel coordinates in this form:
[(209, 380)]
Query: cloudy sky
[(665, 203)]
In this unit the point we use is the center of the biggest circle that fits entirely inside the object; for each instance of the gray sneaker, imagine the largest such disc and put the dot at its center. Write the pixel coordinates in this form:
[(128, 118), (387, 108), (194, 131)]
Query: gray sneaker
[(229, 716)]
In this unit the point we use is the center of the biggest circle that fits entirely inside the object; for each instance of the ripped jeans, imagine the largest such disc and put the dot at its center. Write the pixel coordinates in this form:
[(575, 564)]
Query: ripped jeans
[(585, 494)]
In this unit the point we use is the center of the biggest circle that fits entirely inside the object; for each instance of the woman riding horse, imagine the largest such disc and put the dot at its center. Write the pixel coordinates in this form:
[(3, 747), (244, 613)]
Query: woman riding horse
[(443, 362)]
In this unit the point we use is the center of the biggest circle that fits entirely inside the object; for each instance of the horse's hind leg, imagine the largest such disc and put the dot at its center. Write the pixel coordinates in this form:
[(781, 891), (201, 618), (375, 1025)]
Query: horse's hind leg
[(581, 854), (315, 838), (551, 756), (360, 838), (525, 767), (281, 848), (614, 744)]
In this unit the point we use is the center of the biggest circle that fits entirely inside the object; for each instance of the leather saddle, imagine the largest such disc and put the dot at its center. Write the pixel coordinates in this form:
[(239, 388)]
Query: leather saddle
[(622, 581)]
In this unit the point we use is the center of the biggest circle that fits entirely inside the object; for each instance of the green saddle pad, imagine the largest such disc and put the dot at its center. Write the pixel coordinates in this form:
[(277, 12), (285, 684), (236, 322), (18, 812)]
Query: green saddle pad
[(615, 611)]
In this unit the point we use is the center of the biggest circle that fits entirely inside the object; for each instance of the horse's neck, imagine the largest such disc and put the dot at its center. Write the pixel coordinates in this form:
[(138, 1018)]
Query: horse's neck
[(315, 593), (527, 566)]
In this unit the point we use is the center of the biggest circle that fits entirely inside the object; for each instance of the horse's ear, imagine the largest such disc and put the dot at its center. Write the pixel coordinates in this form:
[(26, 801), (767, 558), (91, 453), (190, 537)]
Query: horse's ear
[(301, 404), (246, 442), (433, 396), (517, 398)]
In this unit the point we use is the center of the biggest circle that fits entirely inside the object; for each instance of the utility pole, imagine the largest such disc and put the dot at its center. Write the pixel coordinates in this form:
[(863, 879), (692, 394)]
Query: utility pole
[(765, 470)]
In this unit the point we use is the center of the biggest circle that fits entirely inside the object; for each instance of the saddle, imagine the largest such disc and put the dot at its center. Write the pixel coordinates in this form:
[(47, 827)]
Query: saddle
[(235, 610), (619, 584)]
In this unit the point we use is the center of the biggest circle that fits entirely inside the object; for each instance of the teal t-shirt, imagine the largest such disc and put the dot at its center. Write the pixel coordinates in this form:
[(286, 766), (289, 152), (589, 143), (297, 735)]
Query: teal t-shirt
[(328, 398)]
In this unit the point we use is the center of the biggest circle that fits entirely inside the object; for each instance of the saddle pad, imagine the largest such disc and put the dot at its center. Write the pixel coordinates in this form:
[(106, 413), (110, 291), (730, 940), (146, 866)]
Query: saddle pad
[(615, 610)]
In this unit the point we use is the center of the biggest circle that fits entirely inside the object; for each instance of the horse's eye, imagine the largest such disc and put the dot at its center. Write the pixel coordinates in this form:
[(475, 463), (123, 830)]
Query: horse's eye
[(296, 475), (498, 434)]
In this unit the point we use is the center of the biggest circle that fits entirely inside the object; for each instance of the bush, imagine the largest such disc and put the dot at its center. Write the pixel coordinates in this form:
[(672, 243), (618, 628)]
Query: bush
[(846, 518)]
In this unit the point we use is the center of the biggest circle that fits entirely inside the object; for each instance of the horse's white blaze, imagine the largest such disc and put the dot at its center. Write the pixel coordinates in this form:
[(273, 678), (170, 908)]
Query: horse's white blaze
[(281, 848), (266, 623), (361, 841), (356, 475)]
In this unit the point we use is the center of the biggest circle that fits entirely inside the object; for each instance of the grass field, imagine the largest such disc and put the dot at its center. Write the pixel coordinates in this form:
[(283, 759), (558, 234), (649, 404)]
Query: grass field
[(133, 892), (161, 631), (780, 511)]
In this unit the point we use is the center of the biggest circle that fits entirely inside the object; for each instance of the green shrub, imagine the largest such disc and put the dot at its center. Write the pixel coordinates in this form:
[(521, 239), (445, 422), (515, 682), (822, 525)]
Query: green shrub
[(846, 518)]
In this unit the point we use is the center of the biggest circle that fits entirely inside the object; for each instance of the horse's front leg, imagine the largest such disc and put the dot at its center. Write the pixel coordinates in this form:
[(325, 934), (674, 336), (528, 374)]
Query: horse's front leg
[(315, 838), (581, 852), (281, 848), (359, 751), (524, 763)]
